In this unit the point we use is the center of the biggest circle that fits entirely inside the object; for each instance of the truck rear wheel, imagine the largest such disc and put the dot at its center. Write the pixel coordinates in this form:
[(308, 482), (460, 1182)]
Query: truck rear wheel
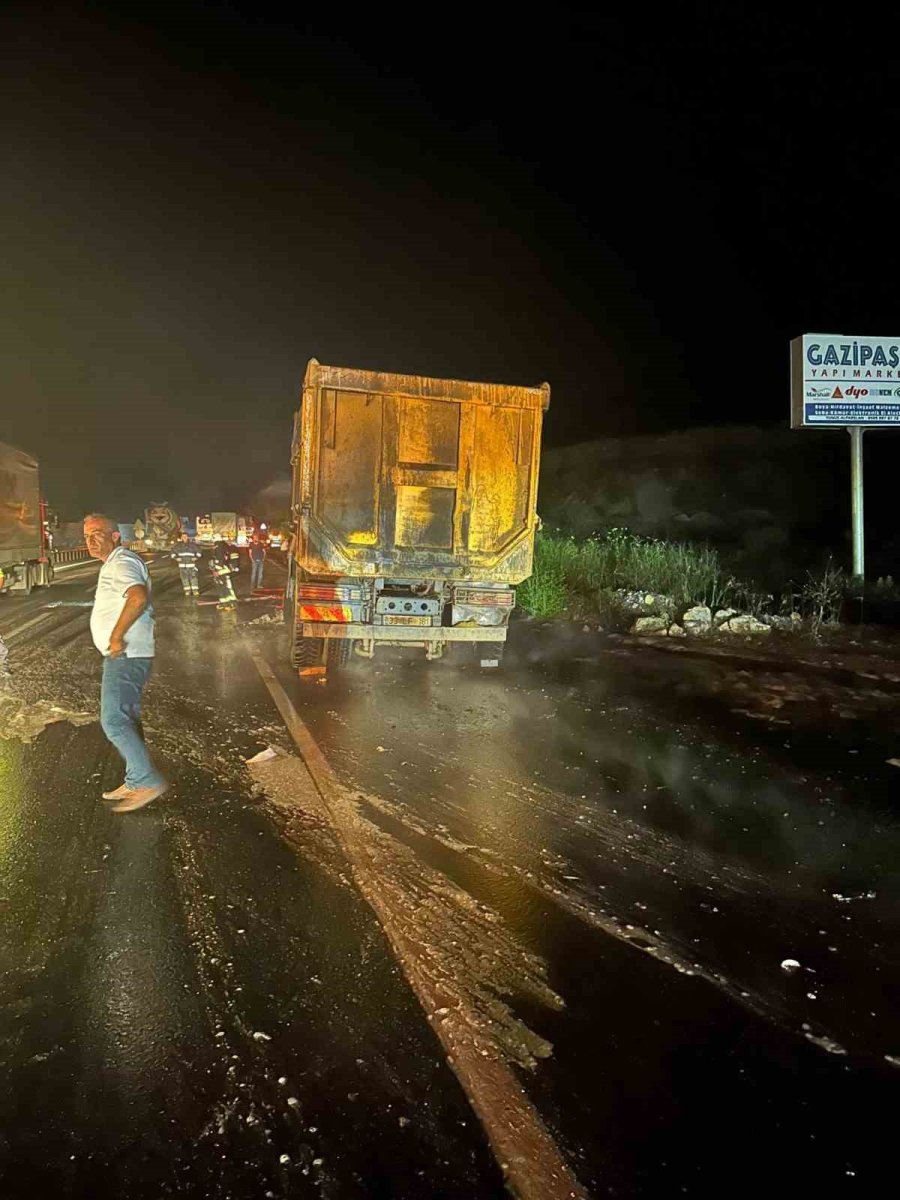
[(321, 652), (337, 652), (307, 652)]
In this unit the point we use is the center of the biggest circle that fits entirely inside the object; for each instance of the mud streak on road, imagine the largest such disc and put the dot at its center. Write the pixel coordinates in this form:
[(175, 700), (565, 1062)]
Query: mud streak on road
[(527, 1154)]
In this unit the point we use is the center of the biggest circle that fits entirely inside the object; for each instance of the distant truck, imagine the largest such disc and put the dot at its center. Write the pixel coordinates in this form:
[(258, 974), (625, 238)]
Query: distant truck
[(234, 528), (415, 505), (25, 560), (161, 526), (205, 532)]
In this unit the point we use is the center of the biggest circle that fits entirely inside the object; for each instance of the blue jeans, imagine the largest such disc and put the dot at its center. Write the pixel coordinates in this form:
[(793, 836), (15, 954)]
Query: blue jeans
[(120, 712), (256, 572)]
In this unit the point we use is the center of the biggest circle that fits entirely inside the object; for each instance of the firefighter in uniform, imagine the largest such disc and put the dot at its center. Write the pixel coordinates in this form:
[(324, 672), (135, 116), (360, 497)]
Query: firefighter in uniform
[(187, 556), (221, 573)]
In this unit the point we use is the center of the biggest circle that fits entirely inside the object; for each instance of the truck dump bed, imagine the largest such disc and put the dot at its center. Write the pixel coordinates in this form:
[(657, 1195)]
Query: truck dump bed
[(408, 476)]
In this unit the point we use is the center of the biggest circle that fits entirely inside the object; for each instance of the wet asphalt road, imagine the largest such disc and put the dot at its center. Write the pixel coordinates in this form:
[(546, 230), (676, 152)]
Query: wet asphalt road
[(195, 1000)]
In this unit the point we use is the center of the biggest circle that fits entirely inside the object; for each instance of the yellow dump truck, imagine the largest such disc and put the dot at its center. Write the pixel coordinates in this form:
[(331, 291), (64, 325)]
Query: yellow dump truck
[(414, 508)]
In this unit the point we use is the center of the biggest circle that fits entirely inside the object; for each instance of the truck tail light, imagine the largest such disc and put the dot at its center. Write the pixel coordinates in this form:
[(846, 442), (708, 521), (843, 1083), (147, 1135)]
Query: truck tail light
[(500, 599), (341, 593)]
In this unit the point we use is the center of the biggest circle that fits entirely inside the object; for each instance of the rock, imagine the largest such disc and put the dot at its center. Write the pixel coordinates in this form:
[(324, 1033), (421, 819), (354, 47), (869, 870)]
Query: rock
[(744, 624), (697, 620), (676, 630), (725, 614), (645, 603), (650, 625), (787, 624)]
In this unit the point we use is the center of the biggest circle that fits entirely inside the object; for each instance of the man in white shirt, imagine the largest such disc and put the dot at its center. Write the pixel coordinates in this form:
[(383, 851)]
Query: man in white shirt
[(122, 629)]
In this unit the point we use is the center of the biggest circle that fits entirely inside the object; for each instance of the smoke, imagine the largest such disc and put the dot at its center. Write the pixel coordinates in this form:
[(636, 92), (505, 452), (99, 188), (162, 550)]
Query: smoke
[(274, 498)]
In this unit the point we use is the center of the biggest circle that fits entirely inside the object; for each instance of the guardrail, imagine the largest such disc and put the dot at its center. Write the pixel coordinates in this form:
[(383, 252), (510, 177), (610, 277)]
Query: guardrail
[(78, 554)]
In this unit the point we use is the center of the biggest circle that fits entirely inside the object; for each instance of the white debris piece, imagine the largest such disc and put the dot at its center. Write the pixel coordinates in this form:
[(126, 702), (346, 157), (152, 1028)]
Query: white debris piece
[(790, 965), (825, 1043), (259, 1036), (264, 755)]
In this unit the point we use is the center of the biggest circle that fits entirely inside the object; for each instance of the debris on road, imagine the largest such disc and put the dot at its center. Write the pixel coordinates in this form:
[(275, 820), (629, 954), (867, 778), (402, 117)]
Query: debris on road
[(266, 755), (24, 721), (825, 1043), (790, 965)]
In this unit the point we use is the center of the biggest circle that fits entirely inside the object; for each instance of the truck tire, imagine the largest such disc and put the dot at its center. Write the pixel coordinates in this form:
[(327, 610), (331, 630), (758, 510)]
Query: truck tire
[(307, 652), (288, 609), (337, 652), (332, 653), (489, 654)]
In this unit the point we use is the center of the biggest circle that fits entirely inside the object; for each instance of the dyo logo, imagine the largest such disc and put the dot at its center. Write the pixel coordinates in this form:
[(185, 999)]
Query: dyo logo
[(856, 392)]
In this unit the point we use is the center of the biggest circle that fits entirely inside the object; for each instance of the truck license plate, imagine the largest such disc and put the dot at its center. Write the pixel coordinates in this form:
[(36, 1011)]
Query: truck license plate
[(407, 620)]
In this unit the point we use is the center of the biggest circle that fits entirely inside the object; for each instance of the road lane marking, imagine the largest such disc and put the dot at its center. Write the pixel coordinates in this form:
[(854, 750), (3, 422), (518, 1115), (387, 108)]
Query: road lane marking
[(28, 624), (532, 1163), (88, 562)]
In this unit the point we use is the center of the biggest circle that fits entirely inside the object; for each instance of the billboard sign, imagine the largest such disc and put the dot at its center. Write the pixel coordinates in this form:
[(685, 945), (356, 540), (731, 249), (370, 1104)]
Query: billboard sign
[(841, 381)]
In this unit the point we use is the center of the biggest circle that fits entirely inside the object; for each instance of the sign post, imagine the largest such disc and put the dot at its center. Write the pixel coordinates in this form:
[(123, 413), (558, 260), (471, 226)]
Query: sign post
[(851, 383), (856, 488)]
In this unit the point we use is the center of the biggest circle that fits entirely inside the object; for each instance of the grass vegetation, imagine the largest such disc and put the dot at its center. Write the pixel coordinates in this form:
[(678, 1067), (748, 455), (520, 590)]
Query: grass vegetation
[(580, 575)]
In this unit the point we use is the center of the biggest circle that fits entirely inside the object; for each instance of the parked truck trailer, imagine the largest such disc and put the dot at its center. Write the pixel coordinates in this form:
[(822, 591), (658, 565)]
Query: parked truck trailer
[(24, 546), (415, 506)]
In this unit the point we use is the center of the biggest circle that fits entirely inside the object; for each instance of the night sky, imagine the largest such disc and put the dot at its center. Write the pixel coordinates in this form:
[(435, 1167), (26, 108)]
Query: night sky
[(642, 211)]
